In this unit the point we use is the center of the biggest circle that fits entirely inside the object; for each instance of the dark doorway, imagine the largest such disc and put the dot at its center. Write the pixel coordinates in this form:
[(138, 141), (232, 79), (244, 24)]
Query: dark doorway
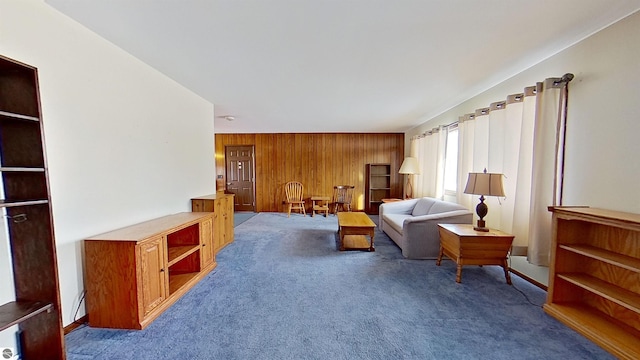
[(240, 176)]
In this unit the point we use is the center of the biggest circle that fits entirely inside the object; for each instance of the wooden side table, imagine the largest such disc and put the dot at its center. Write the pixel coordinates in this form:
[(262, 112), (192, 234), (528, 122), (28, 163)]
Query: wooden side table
[(320, 203), (466, 246)]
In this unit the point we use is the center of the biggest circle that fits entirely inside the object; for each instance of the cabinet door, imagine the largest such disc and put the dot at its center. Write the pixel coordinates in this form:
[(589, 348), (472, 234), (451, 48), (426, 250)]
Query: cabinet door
[(152, 270), (228, 220), (218, 226), (206, 240)]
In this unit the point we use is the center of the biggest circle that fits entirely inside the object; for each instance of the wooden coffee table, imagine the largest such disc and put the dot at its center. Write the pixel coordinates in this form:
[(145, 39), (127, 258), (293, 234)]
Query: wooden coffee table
[(466, 246), (353, 228)]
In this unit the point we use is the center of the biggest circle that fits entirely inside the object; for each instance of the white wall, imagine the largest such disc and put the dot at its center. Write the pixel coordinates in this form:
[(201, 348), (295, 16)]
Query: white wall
[(603, 126), (124, 143)]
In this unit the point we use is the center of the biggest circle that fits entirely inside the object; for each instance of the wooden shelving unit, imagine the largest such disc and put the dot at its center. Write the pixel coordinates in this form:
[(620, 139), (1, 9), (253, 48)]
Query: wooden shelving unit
[(594, 276), (27, 212), (377, 186), (135, 273)]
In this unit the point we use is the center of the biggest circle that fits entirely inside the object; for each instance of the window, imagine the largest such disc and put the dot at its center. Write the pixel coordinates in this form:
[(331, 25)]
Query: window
[(451, 161)]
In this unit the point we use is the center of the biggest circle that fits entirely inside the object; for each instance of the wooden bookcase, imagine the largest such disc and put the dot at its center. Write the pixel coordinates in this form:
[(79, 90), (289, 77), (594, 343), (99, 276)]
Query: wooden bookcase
[(377, 186), (135, 273), (594, 277), (221, 205), (27, 215)]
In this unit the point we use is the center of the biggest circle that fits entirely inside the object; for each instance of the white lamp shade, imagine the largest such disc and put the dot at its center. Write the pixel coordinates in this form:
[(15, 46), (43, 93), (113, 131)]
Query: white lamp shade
[(489, 184), (409, 166)]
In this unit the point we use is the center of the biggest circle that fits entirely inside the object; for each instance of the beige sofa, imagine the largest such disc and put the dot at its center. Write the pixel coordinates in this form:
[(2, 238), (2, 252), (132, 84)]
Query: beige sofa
[(413, 224)]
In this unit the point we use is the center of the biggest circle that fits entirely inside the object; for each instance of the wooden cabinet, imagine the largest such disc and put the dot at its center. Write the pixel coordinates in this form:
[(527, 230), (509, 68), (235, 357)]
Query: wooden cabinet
[(133, 274), (594, 277), (377, 186), (221, 205), (28, 216)]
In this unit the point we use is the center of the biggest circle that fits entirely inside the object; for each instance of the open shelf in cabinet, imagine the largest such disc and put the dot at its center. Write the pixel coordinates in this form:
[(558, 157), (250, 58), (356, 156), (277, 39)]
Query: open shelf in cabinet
[(19, 89), (178, 279), (616, 294), (623, 261), (182, 243), (593, 277), (183, 248), (177, 253)]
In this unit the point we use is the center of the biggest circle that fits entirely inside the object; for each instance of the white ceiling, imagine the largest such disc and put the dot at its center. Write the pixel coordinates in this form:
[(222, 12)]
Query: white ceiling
[(340, 65)]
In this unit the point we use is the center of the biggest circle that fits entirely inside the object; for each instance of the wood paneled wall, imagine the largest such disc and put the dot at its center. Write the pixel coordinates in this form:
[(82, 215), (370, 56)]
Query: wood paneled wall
[(318, 160)]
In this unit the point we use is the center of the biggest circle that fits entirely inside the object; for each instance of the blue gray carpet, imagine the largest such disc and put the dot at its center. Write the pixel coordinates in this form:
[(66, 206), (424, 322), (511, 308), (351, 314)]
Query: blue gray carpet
[(241, 216), (282, 291)]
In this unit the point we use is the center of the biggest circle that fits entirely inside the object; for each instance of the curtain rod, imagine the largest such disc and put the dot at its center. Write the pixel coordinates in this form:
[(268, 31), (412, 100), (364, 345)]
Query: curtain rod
[(566, 78)]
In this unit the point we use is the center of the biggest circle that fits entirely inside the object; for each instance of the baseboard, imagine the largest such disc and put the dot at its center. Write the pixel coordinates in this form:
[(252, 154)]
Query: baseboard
[(531, 280), (76, 324)]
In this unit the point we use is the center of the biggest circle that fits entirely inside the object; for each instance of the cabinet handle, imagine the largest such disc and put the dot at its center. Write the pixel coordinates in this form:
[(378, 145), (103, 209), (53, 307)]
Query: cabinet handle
[(161, 270)]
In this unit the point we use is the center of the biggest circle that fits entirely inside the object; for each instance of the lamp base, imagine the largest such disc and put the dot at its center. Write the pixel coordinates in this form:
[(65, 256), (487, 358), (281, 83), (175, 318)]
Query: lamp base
[(409, 193), (481, 226)]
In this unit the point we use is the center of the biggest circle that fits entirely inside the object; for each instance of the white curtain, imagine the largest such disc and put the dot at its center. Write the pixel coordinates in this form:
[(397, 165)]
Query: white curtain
[(429, 148), (522, 138), (466, 130), (547, 152)]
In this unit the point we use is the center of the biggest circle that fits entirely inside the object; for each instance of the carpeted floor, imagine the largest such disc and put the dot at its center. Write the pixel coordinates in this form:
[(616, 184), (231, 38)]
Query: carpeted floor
[(241, 216), (282, 291)]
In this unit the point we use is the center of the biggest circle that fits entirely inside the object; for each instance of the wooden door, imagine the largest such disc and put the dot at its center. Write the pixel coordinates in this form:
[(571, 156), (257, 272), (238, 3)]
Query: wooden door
[(152, 269), (206, 239), (241, 176)]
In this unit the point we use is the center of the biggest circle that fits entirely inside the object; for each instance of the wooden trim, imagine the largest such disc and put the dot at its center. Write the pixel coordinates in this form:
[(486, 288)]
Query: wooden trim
[(529, 279), (76, 324)]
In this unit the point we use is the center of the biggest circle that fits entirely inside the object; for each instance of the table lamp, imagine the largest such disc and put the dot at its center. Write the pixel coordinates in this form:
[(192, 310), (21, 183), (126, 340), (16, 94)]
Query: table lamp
[(489, 184), (409, 167)]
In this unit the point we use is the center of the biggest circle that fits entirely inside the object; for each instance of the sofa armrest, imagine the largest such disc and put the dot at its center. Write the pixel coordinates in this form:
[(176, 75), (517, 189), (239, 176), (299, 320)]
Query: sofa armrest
[(395, 207), (398, 207)]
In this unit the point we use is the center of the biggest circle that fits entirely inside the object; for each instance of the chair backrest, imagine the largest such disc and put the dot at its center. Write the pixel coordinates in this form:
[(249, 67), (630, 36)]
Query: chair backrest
[(293, 190), (342, 194)]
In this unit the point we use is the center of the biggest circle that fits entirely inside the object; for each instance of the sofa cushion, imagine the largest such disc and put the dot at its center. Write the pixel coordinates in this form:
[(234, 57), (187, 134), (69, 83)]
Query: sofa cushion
[(444, 206), (396, 221), (423, 206)]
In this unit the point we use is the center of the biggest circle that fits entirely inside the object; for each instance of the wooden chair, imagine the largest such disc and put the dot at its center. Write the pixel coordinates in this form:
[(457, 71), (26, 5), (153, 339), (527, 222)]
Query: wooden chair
[(293, 191), (342, 195)]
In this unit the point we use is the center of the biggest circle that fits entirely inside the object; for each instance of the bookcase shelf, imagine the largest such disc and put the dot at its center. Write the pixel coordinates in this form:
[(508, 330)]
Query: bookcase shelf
[(28, 217), (177, 253), (593, 276), (15, 116), (377, 186), (15, 312)]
